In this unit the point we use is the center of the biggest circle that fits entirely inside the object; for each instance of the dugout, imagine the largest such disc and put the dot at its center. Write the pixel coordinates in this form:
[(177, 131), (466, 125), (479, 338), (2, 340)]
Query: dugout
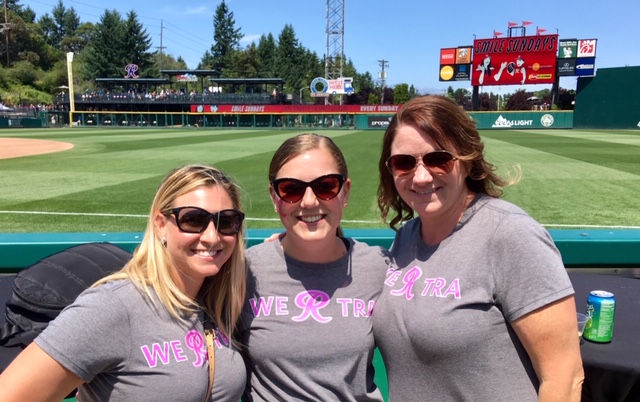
[(608, 100)]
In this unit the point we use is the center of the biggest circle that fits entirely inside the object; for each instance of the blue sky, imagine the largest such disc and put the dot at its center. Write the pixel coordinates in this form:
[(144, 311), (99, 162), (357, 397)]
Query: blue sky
[(408, 34)]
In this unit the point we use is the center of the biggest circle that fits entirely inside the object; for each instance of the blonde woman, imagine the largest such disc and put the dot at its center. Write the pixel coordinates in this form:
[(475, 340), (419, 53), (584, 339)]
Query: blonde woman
[(138, 334)]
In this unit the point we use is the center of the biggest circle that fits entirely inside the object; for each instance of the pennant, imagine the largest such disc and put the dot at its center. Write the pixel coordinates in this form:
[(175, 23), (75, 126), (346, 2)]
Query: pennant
[(496, 33), (513, 24), (525, 23), (540, 30)]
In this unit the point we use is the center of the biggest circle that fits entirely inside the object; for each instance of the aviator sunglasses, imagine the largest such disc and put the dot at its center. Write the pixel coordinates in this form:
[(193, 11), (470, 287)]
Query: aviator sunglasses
[(437, 162), (324, 187), (196, 220)]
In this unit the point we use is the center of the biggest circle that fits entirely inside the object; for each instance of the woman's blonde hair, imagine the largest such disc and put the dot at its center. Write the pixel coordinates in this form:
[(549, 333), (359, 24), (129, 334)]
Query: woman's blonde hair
[(151, 266)]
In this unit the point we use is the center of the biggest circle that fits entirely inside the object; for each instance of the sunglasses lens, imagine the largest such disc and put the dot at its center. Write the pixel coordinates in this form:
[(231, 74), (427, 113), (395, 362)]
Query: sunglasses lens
[(401, 164), (438, 162), (192, 220), (229, 221), (290, 190), (326, 187), (196, 220)]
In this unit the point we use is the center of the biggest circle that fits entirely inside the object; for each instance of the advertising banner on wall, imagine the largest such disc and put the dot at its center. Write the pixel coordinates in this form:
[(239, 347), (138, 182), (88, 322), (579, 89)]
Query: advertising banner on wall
[(514, 60)]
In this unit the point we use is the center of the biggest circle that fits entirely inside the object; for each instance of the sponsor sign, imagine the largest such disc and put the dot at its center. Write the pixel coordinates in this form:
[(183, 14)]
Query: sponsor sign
[(292, 109), (455, 72), (514, 60), (455, 63), (568, 49), (463, 55), (566, 67), (586, 48), (585, 66), (323, 87), (501, 122), (447, 56), (378, 122)]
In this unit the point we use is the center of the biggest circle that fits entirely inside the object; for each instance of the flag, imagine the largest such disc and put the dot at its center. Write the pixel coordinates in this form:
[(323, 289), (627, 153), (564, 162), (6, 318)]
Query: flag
[(513, 24), (525, 23), (496, 33), (540, 30)]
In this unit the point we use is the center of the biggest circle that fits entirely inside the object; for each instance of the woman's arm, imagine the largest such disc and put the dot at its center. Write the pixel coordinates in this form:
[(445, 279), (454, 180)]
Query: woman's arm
[(550, 336), (36, 376)]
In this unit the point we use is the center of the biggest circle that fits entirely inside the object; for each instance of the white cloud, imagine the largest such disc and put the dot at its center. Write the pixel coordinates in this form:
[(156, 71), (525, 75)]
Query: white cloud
[(250, 38), (202, 10)]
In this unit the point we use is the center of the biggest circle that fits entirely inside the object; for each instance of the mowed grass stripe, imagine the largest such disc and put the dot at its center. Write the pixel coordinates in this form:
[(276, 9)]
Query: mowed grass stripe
[(613, 155), (556, 189)]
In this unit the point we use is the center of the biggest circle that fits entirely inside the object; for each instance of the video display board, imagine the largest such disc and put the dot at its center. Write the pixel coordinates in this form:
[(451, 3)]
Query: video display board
[(455, 64), (514, 60)]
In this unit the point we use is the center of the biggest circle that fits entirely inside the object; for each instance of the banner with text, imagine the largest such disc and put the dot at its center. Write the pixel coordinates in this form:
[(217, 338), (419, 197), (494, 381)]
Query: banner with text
[(293, 109), (518, 60)]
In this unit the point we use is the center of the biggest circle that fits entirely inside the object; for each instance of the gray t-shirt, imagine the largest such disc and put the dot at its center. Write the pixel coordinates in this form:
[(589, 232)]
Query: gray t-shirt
[(307, 327), (126, 349), (442, 321)]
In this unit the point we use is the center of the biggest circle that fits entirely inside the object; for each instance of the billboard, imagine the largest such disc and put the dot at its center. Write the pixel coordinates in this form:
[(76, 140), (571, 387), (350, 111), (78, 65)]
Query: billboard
[(577, 57), (514, 60), (321, 87), (455, 64)]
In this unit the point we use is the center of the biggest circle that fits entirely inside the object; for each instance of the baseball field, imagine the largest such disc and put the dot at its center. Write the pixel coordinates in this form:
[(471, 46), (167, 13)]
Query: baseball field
[(102, 180)]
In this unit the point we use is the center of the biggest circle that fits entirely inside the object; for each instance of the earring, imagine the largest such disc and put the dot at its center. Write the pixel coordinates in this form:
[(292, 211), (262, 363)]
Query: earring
[(164, 241)]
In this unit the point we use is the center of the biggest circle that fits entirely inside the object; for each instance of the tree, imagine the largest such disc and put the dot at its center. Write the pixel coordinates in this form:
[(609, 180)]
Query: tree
[(137, 44), (226, 39), (401, 94), (518, 100), (106, 55), (290, 59), (267, 55)]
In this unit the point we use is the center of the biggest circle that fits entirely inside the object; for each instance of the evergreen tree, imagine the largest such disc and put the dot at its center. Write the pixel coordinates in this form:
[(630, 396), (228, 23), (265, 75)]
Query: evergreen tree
[(226, 39), (105, 55), (290, 59), (267, 55), (137, 44)]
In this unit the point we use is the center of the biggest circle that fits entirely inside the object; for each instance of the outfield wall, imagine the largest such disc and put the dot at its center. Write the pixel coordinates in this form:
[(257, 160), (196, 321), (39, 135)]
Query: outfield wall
[(609, 100), (488, 120)]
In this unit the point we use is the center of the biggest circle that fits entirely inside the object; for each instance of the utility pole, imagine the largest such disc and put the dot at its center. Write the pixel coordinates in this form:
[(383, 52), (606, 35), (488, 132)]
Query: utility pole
[(383, 76), (161, 48), (5, 29)]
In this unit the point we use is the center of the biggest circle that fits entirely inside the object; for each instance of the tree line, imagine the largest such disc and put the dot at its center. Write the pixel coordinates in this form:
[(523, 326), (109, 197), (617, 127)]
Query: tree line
[(33, 56)]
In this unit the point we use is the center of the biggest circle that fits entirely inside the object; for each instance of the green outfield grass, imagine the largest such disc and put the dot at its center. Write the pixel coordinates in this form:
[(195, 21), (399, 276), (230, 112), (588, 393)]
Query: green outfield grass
[(571, 178)]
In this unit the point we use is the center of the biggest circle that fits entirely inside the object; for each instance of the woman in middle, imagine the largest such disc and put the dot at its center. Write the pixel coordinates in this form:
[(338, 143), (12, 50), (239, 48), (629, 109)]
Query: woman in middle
[(306, 324)]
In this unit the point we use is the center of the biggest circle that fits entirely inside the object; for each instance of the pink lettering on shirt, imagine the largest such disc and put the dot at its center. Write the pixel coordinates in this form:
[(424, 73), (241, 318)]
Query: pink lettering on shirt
[(176, 347), (436, 287), (409, 279), (195, 341), (311, 302), (156, 353), (261, 305)]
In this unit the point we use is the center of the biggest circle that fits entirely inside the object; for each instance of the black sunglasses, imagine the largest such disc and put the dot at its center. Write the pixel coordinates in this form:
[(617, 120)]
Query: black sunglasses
[(196, 220), (325, 187), (437, 162)]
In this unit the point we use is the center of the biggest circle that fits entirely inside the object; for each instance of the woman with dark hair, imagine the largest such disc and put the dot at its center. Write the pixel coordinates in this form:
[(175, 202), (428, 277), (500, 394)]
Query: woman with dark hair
[(307, 320), (480, 307)]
